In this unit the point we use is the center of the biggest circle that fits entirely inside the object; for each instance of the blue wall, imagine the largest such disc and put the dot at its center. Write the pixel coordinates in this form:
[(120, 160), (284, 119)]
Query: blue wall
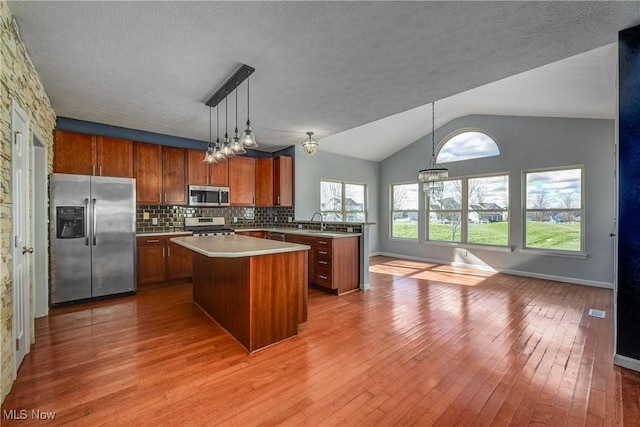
[(628, 310)]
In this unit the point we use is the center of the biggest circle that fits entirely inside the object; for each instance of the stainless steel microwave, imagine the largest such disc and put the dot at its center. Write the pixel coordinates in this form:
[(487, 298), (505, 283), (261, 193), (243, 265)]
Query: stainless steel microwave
[(204, 195)]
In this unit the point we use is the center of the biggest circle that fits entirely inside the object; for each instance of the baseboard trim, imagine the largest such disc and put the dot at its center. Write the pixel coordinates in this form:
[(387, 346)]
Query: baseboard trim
[(573, 280), (627, 362)]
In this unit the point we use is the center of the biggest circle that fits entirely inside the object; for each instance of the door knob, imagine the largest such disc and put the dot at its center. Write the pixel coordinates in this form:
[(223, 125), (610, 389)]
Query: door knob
[(25, 250)]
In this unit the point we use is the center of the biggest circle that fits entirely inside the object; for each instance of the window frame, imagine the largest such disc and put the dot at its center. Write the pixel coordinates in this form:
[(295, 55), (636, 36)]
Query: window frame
[(581, 253), (393, 211), (464, 214), (343, 212), (457, 132)]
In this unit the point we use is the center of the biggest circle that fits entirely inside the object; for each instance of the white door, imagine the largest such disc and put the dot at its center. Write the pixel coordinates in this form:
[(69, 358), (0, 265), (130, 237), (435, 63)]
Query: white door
[(22, 248)]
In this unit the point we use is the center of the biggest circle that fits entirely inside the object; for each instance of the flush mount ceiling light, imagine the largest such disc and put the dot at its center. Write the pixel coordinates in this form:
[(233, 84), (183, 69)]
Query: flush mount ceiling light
[(310, 145), (230, 148), (432, 173)]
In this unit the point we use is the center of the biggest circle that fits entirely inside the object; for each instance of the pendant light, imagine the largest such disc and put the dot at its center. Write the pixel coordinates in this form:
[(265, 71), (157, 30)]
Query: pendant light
[(432, 173), (209, 156), (219, 155), (236, 144), (310, 145), (226, 143), (249, 139)]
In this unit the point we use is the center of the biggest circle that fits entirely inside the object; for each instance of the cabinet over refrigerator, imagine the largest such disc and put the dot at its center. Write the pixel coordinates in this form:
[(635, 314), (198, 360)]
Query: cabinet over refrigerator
[(93, 237)]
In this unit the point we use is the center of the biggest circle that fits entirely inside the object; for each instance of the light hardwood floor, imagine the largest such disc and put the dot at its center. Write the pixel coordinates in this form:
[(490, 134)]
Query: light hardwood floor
[(427, 345)]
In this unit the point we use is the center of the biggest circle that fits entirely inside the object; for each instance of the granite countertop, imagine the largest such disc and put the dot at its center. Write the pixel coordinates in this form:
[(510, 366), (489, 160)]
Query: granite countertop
[(235, 246), (304, 232)]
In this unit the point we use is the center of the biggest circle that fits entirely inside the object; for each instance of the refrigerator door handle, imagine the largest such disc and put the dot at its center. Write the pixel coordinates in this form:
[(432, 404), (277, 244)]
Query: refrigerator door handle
[(95, 221), (86, 222)]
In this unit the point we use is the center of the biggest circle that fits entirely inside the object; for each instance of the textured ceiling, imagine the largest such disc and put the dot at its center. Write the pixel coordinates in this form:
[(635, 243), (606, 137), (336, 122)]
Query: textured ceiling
[(326, 67)]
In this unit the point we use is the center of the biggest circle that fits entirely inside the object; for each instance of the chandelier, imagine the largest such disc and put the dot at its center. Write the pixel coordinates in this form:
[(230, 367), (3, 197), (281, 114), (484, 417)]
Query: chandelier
[(432, 173), (310, 145)]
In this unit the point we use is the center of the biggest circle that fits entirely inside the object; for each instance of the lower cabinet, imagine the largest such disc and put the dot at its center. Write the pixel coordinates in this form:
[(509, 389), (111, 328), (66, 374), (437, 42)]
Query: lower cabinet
[(254, 233), (334, 263), (159, 259)]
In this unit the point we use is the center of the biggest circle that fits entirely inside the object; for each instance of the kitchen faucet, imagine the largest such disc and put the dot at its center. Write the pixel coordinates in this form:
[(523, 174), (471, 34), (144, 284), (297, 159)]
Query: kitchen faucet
[(322, 224)]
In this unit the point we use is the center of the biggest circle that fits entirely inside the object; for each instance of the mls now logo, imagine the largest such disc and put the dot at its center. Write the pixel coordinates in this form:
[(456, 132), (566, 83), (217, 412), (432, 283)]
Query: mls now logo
[(23, 414)]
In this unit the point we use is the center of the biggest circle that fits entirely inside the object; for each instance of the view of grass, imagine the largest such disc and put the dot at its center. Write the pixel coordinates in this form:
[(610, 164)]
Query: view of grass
[(548, 235), (541, 235)]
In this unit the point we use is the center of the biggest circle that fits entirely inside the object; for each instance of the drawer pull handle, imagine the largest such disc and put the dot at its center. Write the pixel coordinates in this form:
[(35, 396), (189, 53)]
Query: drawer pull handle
[(322, 242), (323, 277), (153, 241), (322, 262), (322, 252)]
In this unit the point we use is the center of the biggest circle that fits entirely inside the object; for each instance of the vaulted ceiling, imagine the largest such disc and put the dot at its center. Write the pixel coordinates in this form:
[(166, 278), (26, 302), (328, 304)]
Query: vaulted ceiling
[(361, 75)]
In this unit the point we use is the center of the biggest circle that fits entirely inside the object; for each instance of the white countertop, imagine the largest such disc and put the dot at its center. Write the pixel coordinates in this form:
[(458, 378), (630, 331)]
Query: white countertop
[(235, 246)]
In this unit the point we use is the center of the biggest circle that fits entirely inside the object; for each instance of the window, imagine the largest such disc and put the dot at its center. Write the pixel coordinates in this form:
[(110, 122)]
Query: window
[(342, 201), (404, 211), (465, 145), (554, 209), (488, 210), (472, 210), (445, 211)]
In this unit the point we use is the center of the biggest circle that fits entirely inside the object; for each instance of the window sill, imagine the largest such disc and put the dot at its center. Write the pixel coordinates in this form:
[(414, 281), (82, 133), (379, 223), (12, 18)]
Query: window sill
[(546, 252), (404, 239), (470, 246)]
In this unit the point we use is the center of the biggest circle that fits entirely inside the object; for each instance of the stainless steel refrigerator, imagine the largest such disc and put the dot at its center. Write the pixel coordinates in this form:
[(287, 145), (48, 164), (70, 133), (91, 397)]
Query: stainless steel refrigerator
[(93, 237)]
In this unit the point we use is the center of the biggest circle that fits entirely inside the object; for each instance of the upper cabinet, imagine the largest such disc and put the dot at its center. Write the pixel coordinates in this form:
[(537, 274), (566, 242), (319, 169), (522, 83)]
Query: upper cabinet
[(264, 182), (242, 175), (77, 153), (161, 174), (283, 181), (216, 174)]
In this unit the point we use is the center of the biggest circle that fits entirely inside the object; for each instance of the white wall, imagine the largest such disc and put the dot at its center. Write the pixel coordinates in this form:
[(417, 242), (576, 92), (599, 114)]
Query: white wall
[(525, 143), (309, 171)]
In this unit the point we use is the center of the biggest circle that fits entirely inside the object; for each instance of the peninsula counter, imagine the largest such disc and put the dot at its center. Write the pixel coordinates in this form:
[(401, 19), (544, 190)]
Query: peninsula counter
[(256, 289)]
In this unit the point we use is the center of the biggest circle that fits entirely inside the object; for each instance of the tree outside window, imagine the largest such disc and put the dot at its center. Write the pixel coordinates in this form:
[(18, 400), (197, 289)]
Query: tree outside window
[(343, 202), (445, 211)]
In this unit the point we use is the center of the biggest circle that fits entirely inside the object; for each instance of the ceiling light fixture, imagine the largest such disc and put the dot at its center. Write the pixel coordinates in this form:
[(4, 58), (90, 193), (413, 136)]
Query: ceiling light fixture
[(230, 148), (432, 173), (249, 139), (209, 156), (310, 145), (226, 143), (236, 144)]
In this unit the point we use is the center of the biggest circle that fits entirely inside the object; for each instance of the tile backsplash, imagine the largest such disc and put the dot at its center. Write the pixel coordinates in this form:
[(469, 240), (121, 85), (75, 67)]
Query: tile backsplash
[(171, 218)]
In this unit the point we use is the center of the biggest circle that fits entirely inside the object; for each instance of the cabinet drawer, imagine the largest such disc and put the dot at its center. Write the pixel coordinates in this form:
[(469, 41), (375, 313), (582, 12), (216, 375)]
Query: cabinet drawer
[(323, 251), (151, 241), (324, 277), (324, 243), (324, 261)]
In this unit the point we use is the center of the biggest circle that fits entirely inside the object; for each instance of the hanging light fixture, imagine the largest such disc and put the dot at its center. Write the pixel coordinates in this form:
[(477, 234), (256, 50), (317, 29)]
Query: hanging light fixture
[(209, 156), (219, 155), (249, 139), (226, 142), (432, 173), (310, 145), (236, 144)]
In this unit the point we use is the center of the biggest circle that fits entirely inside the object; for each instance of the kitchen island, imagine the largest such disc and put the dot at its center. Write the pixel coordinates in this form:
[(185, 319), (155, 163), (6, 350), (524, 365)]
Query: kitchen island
[(256, 289)]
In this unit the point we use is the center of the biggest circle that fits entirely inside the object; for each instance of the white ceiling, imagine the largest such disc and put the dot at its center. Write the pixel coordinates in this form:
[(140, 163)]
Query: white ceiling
[(358, 74)]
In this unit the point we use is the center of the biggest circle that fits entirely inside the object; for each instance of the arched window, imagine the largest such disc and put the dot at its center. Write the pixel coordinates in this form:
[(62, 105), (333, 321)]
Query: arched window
[(467, 144)]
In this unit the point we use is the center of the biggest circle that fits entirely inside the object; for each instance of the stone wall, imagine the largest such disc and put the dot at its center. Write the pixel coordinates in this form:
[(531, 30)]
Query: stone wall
[(18, 80)]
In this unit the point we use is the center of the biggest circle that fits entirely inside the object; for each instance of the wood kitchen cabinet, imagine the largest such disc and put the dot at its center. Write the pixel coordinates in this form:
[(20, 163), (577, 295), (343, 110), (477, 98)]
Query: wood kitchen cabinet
[(161, 174), (215, 174), (242, 175), (160, 260), (83, 154), (334, 263), (260, 234), (283, 181), (264, 182)]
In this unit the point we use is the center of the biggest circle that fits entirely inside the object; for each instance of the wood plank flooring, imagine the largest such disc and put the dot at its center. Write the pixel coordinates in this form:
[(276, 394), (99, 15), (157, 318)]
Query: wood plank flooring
[(427, 345)]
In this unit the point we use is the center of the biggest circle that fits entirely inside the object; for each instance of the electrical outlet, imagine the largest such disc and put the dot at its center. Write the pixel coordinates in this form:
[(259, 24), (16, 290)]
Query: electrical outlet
[(145, 215), (300, 226), (154, 221), (235, 219), (275, 219), (349, 229), (289, 219)]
